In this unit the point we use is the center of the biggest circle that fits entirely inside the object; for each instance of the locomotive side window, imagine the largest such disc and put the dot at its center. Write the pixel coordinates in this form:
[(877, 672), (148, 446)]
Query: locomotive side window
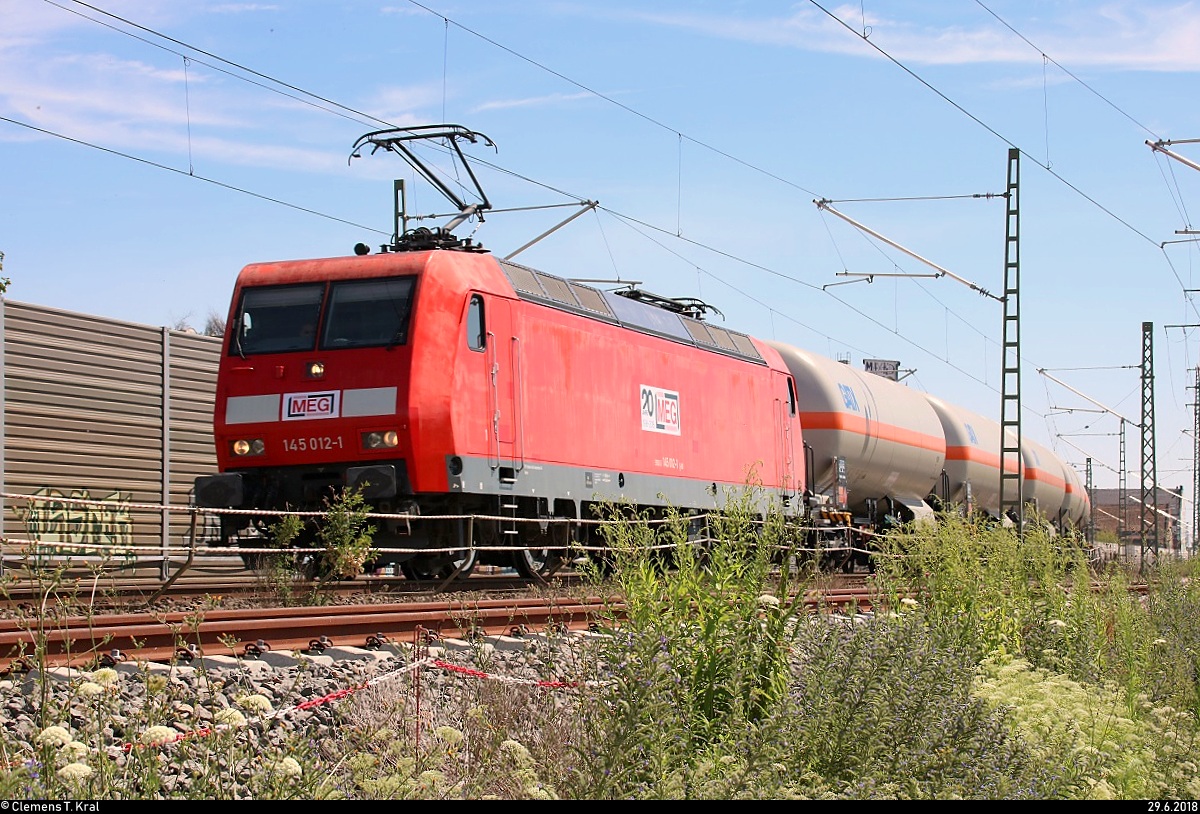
[(277, 319), (476, 326), (366, 313), (791, 396)]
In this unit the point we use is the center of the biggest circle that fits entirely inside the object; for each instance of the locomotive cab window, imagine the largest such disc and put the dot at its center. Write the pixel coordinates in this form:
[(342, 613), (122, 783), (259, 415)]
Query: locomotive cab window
[(476, 327), (276, 319), (368, 313)]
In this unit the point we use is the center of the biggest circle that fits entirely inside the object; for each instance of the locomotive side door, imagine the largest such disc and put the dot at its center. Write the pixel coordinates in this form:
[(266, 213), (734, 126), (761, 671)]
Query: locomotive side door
[(786, 416), (503, 353)]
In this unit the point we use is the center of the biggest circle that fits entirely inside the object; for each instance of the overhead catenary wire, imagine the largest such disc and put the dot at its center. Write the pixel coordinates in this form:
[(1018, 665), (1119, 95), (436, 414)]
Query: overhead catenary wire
[(1104, 407), (447, 21), (630, 109), (823, 204)]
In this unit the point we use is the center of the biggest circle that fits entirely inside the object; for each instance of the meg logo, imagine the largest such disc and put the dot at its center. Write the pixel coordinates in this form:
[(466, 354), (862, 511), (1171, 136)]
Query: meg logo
[(303, 406), (660, 410)]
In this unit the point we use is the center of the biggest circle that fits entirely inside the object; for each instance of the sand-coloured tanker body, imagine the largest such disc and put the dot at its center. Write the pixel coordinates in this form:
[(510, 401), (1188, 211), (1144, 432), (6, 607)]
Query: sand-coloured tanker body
[(1045, 478), (1077, 507), (887, 436), (973, 469), (972, 459)]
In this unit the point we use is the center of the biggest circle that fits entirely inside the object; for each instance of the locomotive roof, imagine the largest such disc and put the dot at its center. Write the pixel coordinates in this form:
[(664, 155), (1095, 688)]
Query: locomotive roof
[(635, 314)]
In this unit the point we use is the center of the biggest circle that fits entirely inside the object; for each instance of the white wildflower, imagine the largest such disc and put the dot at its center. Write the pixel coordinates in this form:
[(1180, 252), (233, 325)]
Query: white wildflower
[(256, 703), (106, 676), (539, 792), (289, 767), (449, 735), (909, 602), (75, 750), (1057, 624), (229, 717), (55, 736), (768, 601), (516, 751), (75, 772), (158, 734), (90, 689)]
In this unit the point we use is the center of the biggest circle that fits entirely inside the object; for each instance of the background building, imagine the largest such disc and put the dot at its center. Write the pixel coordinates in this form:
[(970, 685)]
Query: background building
[(1110, 525)]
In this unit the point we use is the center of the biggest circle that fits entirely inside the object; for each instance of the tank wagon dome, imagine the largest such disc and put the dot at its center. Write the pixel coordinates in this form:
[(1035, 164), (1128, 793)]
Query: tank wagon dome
[(886, 435)]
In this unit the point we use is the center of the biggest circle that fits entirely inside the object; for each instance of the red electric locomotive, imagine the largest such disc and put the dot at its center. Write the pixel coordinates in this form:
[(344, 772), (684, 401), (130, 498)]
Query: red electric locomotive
[(483, 403), (446, 382)]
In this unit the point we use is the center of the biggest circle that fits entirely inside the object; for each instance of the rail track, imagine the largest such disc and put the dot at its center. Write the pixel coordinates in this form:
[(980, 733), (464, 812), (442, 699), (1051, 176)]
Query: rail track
[(80, 614), (182, 637), (55, 639), (110, 587), (105, 586)]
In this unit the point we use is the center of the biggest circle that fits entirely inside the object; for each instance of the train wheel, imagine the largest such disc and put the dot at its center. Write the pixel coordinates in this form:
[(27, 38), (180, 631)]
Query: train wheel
[(463, 564), (834, 560), (537, 563), (440, 566)]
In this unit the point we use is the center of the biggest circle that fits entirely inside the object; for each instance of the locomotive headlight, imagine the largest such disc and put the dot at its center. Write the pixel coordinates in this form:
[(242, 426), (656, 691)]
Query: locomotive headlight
[(315, 370), (380, 439), (243, 447)]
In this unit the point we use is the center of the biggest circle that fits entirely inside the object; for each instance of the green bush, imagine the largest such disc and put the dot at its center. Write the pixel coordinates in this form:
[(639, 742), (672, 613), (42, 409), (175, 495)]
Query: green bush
[(993, 667)]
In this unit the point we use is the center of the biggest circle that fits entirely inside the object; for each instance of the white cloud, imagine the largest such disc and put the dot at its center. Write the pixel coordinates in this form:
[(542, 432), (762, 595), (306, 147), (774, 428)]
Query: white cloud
[(1116, 35), (533, 101), (241, 8)]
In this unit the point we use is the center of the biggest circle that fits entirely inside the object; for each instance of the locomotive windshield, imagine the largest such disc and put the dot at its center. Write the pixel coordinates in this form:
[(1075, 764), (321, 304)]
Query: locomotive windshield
[(364, 313), (360, 313), (276, 319)]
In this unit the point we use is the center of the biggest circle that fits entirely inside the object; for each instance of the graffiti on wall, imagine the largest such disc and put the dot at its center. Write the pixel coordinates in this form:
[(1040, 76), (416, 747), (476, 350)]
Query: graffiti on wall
[(74, 523)]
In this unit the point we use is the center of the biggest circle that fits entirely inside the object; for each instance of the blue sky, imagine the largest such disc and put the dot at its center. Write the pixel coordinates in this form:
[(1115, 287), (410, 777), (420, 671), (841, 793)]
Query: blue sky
[(150, 149)]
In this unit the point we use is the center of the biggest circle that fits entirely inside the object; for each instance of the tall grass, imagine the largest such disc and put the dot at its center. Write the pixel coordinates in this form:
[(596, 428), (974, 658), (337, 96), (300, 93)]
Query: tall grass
[(993, 668)]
